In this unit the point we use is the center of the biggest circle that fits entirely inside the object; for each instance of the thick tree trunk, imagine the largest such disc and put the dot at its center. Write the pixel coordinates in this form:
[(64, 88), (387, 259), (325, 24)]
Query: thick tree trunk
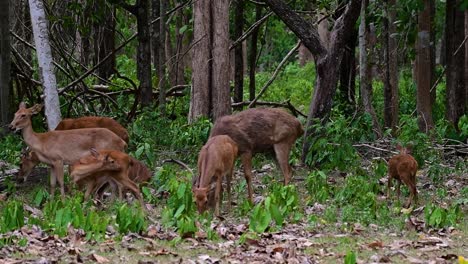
[(390, 68), (144, 52), (253, 54), (179, 65), (455, 93), (238, 54), (466, 62), (44, 57), (327, 61), (424, 71), (365, 71), (105, 40), (201, 69), (220, 87), (162, 69), (5, 112), (347, 82)]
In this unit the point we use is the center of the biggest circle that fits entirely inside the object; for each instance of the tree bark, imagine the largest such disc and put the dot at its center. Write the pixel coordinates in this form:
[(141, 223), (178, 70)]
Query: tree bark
[(104, 39), (365, 71), (155, 13), (391, 108), (44, 57), (424, 71), (162, 68), (347, 82), (144, 51), (220, 87), (201, 69), (238, 54), (454, 32), (253, 54), (5, 111)]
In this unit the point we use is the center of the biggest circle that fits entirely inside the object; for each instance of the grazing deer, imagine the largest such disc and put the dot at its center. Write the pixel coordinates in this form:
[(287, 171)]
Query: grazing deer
[(104, 166), (216, 160), (261, 130), (29, 159), (57, 148), (403, 168)]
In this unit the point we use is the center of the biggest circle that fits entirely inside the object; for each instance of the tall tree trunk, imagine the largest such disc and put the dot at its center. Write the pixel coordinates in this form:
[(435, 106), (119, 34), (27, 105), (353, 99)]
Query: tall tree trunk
[(253, 54), (466, 62), (220, 82), (424, 71), (44, 57), (155, 12), (365, 71), (105, 39), (238, 54), (327, 60), (454, 32), (201, 69), (347, 85), (391, 67), (179, 65), (144, 51), (162, 69), (4, 64)]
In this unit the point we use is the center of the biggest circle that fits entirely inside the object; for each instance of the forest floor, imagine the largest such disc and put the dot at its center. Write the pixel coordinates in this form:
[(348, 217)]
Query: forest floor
[(405, 240)]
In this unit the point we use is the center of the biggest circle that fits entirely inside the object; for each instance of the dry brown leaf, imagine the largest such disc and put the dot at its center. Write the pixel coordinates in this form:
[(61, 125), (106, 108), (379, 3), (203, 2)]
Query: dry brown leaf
[(375, 244), (99, 259), (152, 231)]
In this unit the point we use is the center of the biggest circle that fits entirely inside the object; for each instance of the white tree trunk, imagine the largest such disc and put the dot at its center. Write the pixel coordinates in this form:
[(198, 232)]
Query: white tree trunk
[(44, 57)]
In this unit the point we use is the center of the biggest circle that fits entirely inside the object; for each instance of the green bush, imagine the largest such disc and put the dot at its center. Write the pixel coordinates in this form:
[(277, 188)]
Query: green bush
[(12, 216), (130, 219)]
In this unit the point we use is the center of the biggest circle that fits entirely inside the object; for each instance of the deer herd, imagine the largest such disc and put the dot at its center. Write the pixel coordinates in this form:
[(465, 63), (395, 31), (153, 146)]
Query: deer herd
[(94, 149)]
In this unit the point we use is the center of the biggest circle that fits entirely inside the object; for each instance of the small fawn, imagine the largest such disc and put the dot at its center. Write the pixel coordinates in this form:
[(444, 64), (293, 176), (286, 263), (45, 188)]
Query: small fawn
[(215, 161), (403, 168)]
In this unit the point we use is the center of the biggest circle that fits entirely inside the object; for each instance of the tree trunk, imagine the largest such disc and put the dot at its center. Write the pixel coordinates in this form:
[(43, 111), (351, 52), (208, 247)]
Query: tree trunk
[(44, 57), (454, 32), (347, 85), (105, 39), (201, 69), (220, 82), (466, 63), (365, 71), (179, 65), (327, 60), (144, 52), (155, 12), (4, 64), (253, 54), (390, 68), (424, 71), (162, 69), (238, 54)]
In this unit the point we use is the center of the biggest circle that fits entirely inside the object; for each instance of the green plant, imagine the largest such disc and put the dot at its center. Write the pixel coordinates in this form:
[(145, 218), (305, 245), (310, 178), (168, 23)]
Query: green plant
[(317, 187), (438, 217), (350, 258), (12, 216), (130, 218)]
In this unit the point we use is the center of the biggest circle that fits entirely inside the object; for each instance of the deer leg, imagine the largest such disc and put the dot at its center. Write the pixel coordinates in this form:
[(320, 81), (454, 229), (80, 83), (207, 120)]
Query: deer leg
[(412, 189), (398, 190), (58, 169), (90, 187), (53, 181), (389, 186), (246, 159), (219, 179), (134, 188), (282, 155), (228, 186)]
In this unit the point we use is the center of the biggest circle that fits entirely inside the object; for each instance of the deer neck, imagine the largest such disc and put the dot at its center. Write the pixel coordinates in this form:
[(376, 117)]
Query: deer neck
[(30, 137)]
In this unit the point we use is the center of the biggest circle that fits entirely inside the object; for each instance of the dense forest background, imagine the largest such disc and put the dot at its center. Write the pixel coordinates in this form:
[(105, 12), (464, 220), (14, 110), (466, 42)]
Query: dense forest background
[(360, 75)]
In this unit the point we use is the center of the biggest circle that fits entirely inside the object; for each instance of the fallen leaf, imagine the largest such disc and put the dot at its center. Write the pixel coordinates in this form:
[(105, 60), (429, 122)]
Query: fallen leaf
[(375, 244), (99, 259)]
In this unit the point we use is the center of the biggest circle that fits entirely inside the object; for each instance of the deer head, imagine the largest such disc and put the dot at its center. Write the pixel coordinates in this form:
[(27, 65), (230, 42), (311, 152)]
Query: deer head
[(96, 162), (23, 116), (201, 198)]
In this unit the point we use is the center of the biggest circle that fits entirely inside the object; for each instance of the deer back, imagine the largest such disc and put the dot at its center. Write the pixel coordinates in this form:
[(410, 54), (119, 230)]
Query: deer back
[(94, 122)]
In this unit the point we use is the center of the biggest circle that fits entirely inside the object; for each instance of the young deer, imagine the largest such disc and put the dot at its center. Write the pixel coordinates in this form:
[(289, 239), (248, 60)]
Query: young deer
[(403, 168), (261, 130), (57, 148), (216, 160), (29, 159), (104, 166)]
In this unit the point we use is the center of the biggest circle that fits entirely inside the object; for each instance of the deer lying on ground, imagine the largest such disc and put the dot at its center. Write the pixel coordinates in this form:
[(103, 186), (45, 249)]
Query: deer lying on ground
[(104, 166), (216, 160), (403, 168), (29, 159), (261, 130), (57, 148)]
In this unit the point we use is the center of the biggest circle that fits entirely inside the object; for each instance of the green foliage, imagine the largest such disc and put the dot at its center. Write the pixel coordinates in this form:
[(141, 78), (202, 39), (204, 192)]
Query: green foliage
[(317, 187), (180, 210), (12, 216), (10, 146), (130, 219), (438, 217), (350, 258), (280, 205)]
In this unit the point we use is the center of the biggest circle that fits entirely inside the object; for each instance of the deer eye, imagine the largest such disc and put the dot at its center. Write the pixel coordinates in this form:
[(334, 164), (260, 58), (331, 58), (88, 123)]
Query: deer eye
[(23, 115)]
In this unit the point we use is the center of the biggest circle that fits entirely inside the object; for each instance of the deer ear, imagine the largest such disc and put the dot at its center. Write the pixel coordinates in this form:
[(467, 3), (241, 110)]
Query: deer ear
[(22, 105), (36, 108)]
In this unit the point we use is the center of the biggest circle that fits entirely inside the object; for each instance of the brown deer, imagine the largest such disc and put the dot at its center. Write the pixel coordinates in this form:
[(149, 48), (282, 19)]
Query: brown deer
[(261, 130), (104, 166), (216, 160), (403, 168), (57, 148), (29, 159)]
